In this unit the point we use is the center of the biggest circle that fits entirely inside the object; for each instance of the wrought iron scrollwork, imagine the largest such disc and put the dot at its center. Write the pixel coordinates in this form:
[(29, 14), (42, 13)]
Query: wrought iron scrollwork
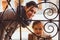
[(49, 20), (50, 26)]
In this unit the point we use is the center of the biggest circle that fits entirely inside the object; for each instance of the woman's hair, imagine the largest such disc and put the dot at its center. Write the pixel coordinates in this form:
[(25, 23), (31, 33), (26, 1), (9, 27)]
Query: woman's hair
[(36, 22), (31, 3)]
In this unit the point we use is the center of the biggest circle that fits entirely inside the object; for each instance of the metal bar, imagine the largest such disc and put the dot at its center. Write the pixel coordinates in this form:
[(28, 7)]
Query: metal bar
[(33, 20), (20, 33), (59, 21), (45, 1), (19, 12), (45, 20)]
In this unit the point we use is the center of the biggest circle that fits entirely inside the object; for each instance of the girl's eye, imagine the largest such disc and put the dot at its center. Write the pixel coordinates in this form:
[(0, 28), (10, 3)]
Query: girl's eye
[(35, 28)]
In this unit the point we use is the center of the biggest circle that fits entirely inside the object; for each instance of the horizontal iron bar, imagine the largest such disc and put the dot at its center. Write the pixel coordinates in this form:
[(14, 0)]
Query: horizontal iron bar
[(44, 20), (32, 20)]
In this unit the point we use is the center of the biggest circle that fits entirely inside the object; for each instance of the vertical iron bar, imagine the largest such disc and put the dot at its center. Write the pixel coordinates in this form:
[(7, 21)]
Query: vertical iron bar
[(45, 1), (59, 21), (20, 33), (19, 11)]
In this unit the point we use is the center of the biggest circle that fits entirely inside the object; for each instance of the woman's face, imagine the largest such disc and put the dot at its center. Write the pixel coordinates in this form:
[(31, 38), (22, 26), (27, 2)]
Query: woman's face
[(38, 29), (30, 13)]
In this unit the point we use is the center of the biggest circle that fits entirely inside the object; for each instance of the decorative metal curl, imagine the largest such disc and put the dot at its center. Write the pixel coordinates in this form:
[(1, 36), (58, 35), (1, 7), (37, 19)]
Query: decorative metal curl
[(50, 3), (52, 29), (49, 9), (48, 13)]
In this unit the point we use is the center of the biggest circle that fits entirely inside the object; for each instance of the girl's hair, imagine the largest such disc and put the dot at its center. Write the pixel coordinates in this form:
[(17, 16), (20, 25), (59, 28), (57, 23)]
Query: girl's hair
[(36, 22)]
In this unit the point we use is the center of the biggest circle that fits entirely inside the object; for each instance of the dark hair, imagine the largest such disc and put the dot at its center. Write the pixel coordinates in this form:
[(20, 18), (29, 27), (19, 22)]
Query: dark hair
[(36, 22), (31, 3)]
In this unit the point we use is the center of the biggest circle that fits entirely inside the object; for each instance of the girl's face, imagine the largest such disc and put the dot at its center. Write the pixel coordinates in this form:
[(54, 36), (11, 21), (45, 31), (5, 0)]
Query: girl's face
[(38, 29)]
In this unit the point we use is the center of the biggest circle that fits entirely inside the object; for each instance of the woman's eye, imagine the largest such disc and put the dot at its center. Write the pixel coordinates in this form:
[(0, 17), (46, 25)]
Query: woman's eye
[(31, 10), (40, 28)]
